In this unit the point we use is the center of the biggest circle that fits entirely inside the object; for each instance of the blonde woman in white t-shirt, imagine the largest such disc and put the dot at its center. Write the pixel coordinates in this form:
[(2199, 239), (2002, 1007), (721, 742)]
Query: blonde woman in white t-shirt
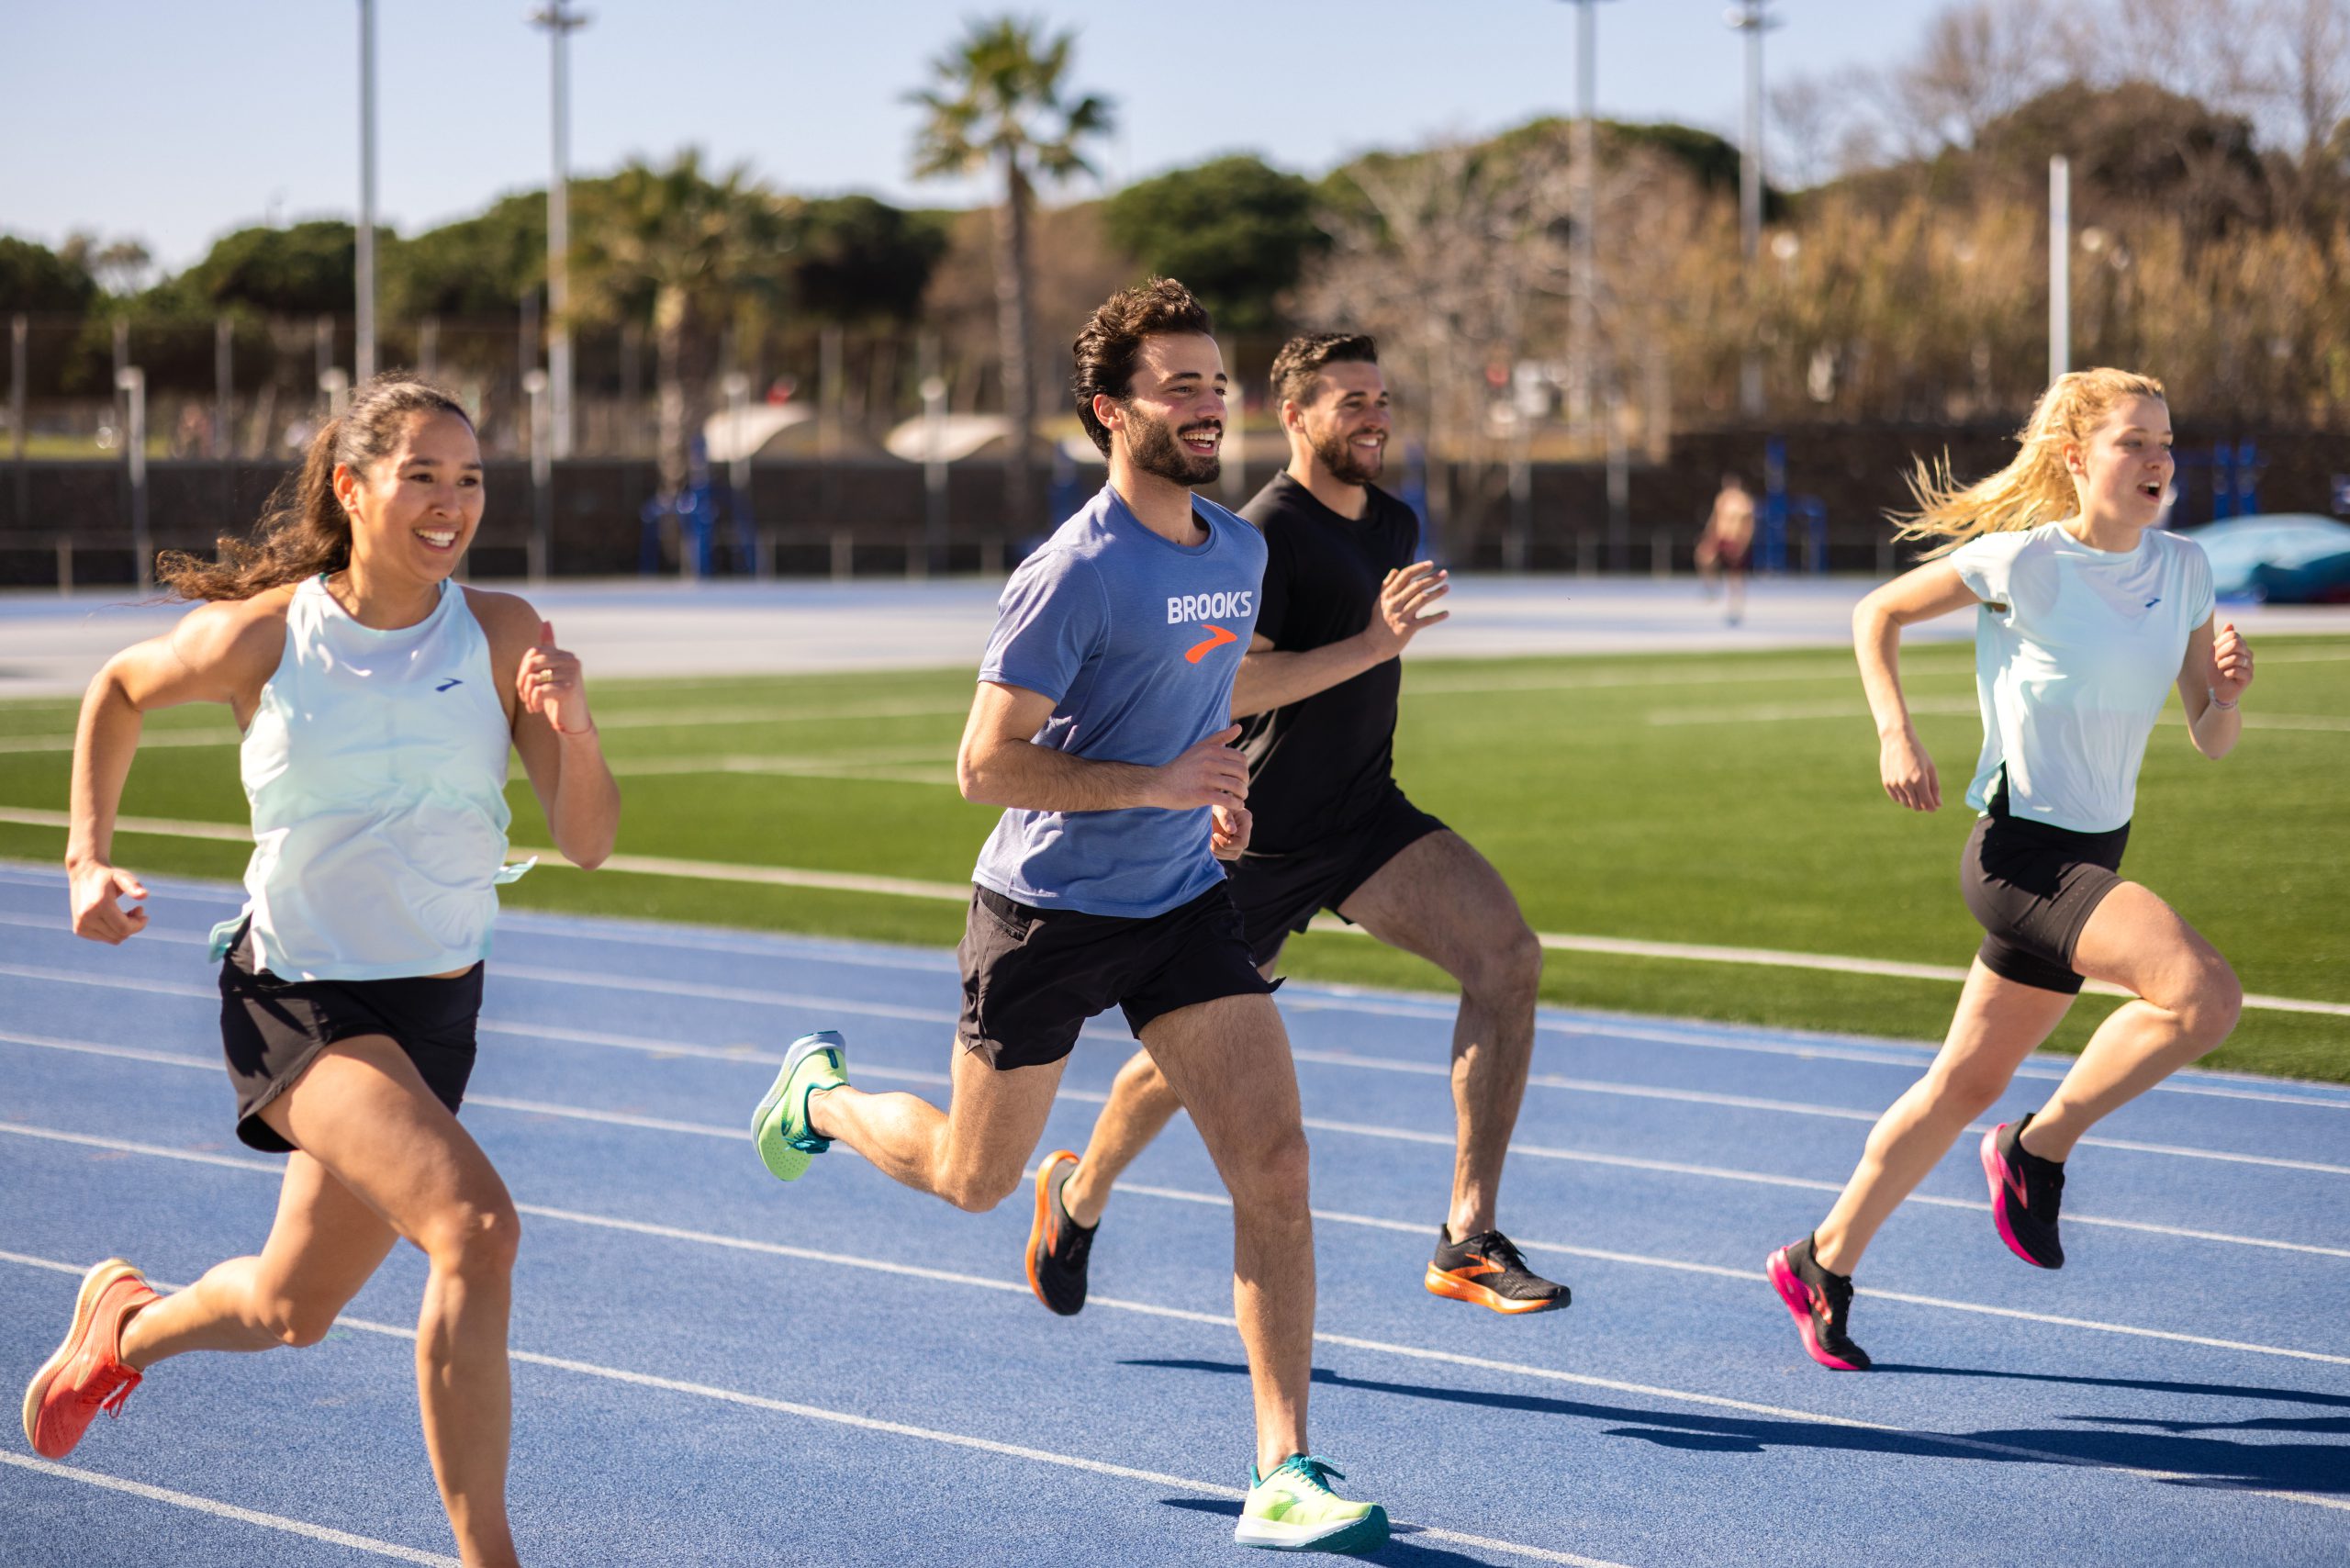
[(378, 699), (2087, 616)]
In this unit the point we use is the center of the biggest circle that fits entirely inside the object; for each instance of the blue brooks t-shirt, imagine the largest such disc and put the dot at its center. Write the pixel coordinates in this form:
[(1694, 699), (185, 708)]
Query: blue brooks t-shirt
[(1136, 639)]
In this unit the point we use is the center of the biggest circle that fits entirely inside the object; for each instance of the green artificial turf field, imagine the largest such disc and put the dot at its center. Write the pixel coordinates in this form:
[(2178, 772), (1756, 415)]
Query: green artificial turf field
[(1727, 799)]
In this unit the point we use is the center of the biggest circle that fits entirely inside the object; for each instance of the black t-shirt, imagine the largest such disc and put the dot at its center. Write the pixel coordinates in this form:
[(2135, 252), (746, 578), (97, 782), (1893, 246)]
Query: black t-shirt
[(1319, 766)]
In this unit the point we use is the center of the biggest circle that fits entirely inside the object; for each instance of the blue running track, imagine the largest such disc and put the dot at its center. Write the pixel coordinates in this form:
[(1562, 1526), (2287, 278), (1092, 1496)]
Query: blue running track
[(717, 1369)]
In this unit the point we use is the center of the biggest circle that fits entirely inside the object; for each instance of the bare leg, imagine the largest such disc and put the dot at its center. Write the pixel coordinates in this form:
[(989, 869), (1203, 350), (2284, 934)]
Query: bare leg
[(381, 1143), (1229, 1062), (970, 1154), (1999, 1022), (2187, 1000), (325, 1245), (1140, 1106), (1441, 900)]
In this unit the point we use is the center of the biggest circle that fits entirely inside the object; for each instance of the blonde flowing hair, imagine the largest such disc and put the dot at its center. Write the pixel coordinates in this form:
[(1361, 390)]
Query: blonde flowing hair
[(2036, 486)]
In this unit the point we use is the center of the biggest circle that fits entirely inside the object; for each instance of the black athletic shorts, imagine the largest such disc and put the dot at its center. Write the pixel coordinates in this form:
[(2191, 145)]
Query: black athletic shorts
[(2031, 887), (271, 1029), (1279, 893), (1031, 976)]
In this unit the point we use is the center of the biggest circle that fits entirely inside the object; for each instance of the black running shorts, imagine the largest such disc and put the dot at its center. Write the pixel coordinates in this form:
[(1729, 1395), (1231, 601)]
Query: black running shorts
[(2031, 887), (1279, 893), (271, 1029), (1031, 976)]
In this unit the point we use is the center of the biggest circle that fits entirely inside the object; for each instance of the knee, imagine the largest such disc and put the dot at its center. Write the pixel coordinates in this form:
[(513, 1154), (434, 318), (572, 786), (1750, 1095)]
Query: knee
[(1273, 1172), (977, 1192), (1505, 968), (2212, 1003), (477, 1239), (301, 1321), (1970, 1089)]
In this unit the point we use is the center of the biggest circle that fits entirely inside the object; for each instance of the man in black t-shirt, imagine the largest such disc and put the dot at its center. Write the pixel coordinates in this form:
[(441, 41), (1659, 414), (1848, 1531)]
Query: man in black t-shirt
[(1316, 697)]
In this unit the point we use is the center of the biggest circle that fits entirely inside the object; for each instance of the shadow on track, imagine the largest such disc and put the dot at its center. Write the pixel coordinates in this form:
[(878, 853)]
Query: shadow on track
[(2213, 1461), (1400, 1549)]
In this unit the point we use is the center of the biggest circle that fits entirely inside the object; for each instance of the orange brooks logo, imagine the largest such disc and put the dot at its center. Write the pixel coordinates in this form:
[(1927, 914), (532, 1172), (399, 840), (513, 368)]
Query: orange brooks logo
[(1217, 637)]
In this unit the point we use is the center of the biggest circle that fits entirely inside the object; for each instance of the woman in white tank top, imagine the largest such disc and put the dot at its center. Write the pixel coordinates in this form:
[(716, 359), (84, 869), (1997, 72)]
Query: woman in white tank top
[(2087, 615), (378, 699)]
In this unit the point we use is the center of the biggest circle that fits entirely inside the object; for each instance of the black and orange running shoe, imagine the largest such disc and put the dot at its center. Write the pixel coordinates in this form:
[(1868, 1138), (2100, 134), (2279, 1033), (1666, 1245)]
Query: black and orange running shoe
[(1057, 1245), (1488, 1271), (1819, 1302), (2026, 1192)]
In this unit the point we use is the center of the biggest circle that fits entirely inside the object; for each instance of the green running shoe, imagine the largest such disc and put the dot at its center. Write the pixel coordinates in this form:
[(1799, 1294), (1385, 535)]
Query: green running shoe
[(780, 1126), (1293, 1509)]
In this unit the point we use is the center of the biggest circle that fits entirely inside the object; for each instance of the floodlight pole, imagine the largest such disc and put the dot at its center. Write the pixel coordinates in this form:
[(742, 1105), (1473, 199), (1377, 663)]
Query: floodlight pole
[(1583, 322), (534, 389), (131, 382), (560, 22), (934, 453), (363, 352), (2059, 267), (1753, 18)]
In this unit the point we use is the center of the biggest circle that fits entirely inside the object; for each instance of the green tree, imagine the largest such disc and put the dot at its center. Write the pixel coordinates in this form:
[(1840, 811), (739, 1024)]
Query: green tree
[(999, 106), (683, 250), (476, 266), (308, 269), (36, 280), (857, 261), (1236, 232)]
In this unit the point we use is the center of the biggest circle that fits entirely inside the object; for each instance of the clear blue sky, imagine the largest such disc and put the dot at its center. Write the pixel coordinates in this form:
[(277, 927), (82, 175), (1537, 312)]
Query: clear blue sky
[(174, 123)]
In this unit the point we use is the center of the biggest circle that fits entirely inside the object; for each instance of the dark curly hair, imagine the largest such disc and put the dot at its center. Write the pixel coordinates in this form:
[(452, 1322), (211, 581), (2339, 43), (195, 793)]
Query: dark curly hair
[(1111, 342), (1300, 362)]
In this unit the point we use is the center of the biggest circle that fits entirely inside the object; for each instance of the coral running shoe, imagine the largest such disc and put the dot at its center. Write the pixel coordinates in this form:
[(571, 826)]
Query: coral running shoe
[(1057, 1245), (780, 1126), (1293, 1509), (1819, 1301), (1488, 1271), (2026, 1192), (87, 1375)]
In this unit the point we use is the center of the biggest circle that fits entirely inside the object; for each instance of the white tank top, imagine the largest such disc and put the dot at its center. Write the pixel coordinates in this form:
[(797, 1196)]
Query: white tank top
[(376, 768)]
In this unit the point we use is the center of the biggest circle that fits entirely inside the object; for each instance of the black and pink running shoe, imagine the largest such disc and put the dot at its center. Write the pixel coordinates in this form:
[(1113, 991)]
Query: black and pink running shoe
[(1819, 1301), (2026, 1192)]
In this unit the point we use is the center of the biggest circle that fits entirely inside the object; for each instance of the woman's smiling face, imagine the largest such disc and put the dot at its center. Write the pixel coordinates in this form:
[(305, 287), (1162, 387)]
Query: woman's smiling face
[(414, 510)]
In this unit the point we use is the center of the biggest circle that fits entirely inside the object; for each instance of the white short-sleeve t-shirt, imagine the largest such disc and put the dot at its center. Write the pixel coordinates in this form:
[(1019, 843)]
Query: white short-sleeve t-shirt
[(2075, 650)]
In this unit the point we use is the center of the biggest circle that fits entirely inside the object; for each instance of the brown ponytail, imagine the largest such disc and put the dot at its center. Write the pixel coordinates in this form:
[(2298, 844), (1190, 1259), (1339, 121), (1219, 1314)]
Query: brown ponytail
[(304, 530)]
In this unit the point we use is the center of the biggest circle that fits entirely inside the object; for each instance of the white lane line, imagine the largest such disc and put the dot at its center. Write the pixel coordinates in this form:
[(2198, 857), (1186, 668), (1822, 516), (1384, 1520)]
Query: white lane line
[(54, 743), (960, 893), (1220, 1320), (218, 1509), (1774, 712), (1789, 1107), (1333, 1216), (1313, 1123), (755, 1402)]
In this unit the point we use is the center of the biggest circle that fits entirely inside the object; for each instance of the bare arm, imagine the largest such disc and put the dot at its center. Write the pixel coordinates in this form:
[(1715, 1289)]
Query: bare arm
[(1270, 677), (546, 704), (1935, 588), (999, 764), (2211, 679), (219, 652)]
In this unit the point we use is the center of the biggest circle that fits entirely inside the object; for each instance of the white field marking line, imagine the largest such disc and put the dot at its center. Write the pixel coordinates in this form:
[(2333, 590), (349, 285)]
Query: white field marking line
[(1219, 1320), (1416, 685), (926, 767), (228, 1511), (215, 737), (1313, 1124), (1904, 1055), (1790, 1107), (1774, 713), (960, 893), (757, 1402)]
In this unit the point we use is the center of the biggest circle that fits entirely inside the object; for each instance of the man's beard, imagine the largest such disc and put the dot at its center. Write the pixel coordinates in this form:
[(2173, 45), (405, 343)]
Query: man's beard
[(1155, 451), (1347, 463)]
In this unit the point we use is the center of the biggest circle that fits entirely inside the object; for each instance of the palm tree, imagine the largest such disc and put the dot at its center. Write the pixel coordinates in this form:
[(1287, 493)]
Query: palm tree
[(690, 252), (997, 106)]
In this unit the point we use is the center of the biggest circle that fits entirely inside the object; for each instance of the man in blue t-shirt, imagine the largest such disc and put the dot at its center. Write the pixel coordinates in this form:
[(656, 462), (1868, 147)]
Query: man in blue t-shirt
[(1103, 725)]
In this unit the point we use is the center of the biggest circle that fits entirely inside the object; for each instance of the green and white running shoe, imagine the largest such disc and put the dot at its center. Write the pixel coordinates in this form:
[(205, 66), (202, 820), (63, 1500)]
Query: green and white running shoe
[(780, 1126), (1293, 1509)]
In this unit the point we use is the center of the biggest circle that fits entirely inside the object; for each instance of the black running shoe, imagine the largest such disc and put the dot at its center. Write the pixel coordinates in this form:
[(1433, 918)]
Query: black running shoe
[(2026, 1194), (1058, 1245), (1487, 1270), (1819, 1301)]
